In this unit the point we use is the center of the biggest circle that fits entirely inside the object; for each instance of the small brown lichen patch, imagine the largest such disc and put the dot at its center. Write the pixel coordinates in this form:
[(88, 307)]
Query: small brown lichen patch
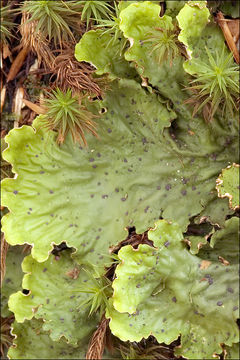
[(205, 264), (73, 274), (223, 261)]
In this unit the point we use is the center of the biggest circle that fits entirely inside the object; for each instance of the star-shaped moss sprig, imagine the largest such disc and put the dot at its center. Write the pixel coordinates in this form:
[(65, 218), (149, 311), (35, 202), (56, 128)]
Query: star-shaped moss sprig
[(66, 113)]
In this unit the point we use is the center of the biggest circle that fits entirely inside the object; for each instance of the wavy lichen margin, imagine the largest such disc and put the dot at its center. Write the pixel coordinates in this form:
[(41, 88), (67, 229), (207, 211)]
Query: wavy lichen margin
[(227, 185)]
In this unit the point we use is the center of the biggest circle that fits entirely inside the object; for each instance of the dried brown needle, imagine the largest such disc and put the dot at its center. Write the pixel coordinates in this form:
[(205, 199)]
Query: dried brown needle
[(76, 75)]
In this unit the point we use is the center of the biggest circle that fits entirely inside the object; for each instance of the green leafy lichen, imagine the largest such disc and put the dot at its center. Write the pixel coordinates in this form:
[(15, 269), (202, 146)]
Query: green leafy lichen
[(153, 159), (138, 21), (135, 172), (13, 277), (192, 19), (32, 342), (51, 296), (94, 49), (149, 279)]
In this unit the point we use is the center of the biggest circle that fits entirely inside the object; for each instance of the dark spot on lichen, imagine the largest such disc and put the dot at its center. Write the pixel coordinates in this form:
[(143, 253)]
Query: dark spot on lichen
[(167, 243), (47, 301), (51, 191), (109, 130), (45, 269), (235, 308), (116, 190), (230, 290), (91, 159), (105, 196), (168, 187), (158, 187), (144, 141), (138, 286), (94, 166), (193, 188), (97, 237), (123, 199), (129, 170), (125, 160), (98, 155), (164, 319), (174, 299), (92, 195), (209, 279), (213, 156), (15, 192), (42, 172), (219, 303), (146, 209), (184, 192)]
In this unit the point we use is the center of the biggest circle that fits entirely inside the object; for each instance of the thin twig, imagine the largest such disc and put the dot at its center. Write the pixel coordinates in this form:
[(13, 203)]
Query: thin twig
[(228, 36)]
